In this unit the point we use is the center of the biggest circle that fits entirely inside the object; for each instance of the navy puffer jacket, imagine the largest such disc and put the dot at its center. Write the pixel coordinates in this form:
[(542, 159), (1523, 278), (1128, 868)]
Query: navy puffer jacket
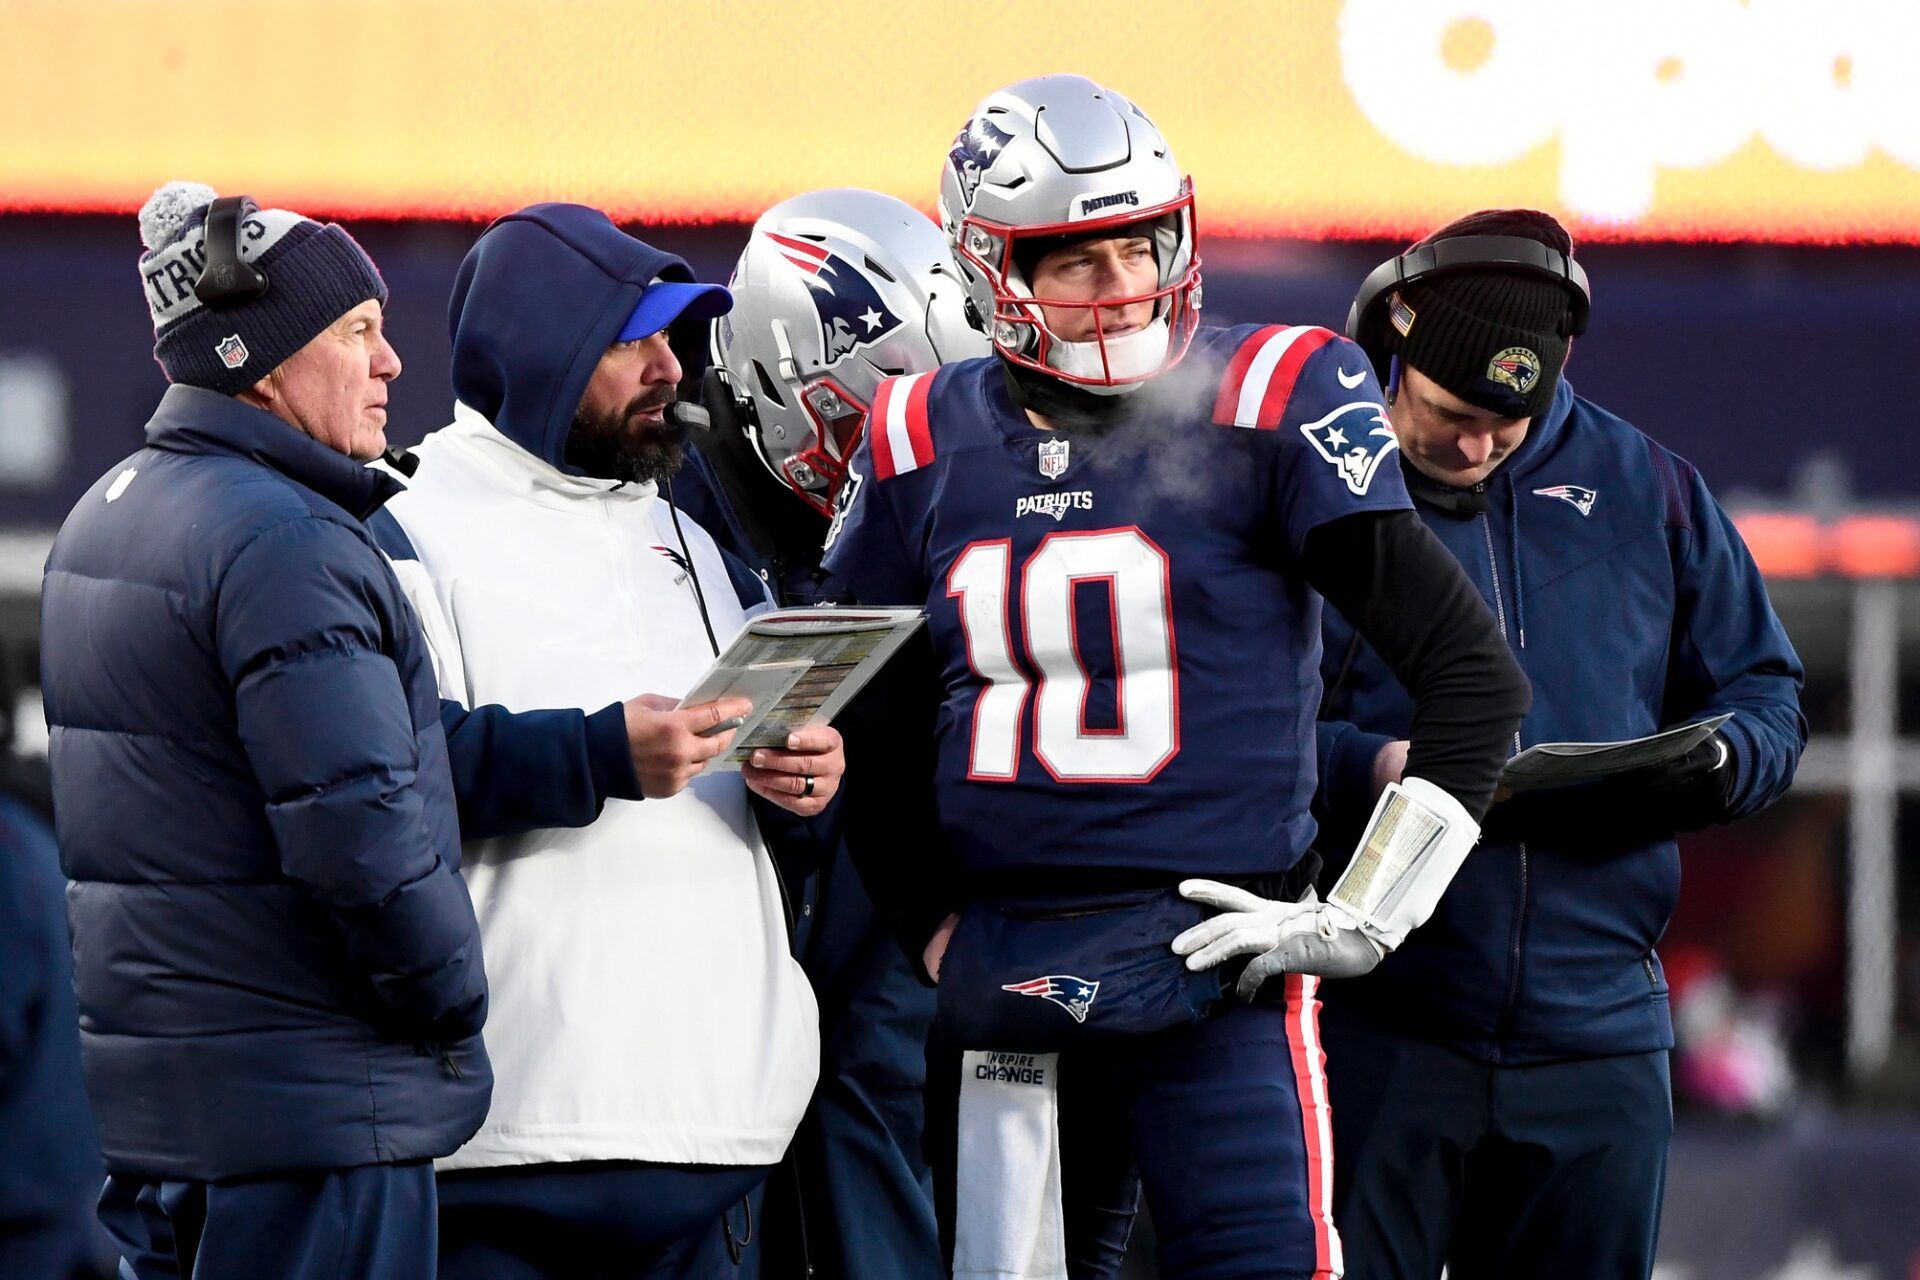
[(277, 963)]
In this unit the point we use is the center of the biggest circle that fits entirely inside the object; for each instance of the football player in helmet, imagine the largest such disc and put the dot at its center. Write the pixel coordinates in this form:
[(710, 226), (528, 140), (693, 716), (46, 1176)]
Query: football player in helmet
[(834, 291), (1120, 525)]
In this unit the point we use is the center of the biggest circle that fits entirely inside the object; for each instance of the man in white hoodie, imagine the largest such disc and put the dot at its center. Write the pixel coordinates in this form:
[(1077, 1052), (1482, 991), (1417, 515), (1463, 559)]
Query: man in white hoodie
[(654, 1042)]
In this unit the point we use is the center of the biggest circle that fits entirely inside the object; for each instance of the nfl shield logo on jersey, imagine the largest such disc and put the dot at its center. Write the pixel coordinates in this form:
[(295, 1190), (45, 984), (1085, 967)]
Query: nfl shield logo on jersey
[(1075, 995), (1053, 458), (232, 351), (1355, 438)]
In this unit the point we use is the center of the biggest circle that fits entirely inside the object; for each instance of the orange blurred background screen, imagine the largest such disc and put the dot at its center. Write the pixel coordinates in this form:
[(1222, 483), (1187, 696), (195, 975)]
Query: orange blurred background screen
[(1768, 120)]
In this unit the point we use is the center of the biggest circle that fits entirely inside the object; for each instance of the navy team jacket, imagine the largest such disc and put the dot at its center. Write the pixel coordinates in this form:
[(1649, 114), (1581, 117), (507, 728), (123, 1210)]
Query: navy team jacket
[(1632, 604), (277, 964)]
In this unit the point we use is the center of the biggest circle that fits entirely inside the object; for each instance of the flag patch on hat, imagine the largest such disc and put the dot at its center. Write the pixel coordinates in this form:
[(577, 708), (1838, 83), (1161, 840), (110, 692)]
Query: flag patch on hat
[(1515, 367), (232, 351), (1400, 314)]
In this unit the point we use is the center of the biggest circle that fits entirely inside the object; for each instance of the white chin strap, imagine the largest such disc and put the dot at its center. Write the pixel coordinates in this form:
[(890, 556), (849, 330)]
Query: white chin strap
[(1134, 356)]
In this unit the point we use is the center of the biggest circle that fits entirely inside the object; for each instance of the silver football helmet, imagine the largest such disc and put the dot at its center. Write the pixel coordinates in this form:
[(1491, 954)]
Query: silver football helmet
[(1060, 156), (835, 290)]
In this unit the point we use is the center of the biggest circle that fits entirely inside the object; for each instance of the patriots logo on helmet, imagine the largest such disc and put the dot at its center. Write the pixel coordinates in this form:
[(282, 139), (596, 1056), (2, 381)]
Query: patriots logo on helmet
[(1075, 995), (1578, 496), (852, 313), (974, 151), (1355, 438)]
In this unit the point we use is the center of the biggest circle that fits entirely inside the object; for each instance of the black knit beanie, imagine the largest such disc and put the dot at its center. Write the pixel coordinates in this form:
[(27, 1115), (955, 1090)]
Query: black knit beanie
[(1495, 338)]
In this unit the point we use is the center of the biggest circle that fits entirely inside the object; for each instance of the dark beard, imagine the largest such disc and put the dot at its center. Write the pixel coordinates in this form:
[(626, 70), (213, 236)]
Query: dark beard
[(621, 447)]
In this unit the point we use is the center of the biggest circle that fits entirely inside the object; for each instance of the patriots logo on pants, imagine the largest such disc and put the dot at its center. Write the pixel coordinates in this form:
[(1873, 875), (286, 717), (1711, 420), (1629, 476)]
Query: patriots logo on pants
[(1075, 995), (851, 311), (1354, 438)]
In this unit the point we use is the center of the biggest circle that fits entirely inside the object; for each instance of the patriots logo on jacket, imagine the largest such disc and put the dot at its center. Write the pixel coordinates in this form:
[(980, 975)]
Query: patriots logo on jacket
[(1579, 496), (974, 150), (1355, 438), (851, 311), (1075, 995)]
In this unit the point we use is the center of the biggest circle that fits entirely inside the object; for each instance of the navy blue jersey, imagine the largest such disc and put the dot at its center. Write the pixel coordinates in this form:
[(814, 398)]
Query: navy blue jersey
[(1129, 655)]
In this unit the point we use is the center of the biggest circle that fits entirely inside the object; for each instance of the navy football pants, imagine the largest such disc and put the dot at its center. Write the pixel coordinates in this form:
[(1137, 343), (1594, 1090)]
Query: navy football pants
[(1495, 1172), (371, 1223), (599, 1220), (1217, 1122)]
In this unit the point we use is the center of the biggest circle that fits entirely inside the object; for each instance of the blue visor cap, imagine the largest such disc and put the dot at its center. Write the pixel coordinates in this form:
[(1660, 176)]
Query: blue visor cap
[(666, 301)]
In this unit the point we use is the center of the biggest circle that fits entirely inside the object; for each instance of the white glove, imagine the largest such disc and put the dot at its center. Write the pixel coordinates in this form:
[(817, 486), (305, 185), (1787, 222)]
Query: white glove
[(1307, 936), (1415, 842)]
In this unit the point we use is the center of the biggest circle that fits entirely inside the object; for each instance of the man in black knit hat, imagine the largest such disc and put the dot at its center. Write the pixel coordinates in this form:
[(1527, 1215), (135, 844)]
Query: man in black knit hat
[(1499, 1084)]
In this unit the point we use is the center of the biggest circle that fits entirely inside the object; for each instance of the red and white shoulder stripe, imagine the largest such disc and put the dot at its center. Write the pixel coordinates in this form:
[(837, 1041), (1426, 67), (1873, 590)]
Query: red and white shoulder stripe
[(1260, 377), (898, 426)]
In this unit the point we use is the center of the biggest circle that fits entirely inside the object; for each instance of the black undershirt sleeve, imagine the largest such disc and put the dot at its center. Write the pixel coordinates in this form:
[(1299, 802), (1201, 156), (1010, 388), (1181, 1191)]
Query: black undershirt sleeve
[(1408, 598)]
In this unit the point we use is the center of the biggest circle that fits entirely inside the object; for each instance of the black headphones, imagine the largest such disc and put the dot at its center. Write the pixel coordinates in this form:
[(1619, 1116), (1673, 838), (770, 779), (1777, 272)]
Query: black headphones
[(226, 281), (1367, 318)]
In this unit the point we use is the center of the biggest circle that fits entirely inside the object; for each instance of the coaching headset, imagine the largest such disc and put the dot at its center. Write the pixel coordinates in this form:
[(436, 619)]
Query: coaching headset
[(1367, 319), (226, 280)]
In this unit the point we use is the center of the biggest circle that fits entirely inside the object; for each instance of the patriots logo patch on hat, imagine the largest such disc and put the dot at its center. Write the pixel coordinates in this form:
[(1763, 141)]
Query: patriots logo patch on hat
[(1400, 314), (232, 351), (1515, 367), (1075, 995)]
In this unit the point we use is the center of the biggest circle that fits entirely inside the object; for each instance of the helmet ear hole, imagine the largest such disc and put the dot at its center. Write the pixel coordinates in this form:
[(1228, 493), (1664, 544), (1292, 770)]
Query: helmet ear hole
[(768, 387)]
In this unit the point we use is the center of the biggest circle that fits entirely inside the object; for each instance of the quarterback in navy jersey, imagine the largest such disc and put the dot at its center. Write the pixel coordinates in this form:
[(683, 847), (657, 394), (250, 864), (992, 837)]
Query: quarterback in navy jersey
[(1146, 577), (1084, 799)]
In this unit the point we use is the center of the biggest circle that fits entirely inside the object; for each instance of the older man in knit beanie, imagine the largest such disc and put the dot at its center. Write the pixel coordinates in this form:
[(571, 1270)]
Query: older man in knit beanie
[(1499, 1085), (277, 964)]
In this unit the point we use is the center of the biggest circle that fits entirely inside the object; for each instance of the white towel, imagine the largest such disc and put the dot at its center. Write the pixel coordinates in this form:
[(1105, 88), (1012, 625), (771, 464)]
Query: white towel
[(1007, 1180)]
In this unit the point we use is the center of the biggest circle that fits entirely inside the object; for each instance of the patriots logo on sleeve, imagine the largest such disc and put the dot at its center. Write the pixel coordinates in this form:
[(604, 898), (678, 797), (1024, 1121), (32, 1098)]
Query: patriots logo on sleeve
[(850, 309), (1075, 995), (1355, 438)]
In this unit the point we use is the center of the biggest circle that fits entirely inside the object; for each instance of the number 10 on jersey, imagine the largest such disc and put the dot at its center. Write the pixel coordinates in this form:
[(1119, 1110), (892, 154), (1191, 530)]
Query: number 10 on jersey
[(1146, 676)]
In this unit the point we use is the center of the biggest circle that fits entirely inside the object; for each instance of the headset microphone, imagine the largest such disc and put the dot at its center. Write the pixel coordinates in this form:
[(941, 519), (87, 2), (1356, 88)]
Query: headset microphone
[(1449, 498), (687, 414)]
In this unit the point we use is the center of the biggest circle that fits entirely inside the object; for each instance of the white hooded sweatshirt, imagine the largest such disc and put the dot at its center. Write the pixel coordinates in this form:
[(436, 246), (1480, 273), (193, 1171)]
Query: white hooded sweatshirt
[(645, 1005)]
